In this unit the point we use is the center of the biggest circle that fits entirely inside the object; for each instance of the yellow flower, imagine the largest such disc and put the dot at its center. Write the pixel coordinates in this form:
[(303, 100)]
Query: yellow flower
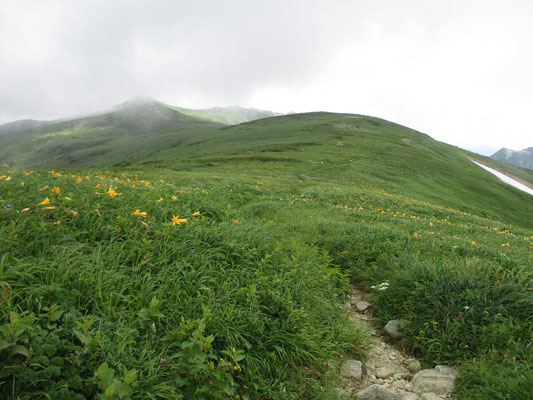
[(506, 244), (139, 213), (56, 190), (174, 198), (160, 200), (235, 221), (74, 213), (45, 202), (431, 224), (97, 186), (111, 193), (25, 209), (474, 243), (196, 213), (176, 220)]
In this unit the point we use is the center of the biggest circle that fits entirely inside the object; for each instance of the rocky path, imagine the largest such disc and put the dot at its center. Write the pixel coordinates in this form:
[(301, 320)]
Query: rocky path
[(388, 374)]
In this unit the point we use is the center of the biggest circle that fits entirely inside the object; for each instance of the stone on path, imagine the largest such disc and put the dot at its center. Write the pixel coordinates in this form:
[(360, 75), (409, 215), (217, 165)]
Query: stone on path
[(376, 392), (440, 380), (384, 372), (409, 396), (362, 306), (447, 370), (413, 365), (352, 369), (394, 327), (399, 384), (430, 396)]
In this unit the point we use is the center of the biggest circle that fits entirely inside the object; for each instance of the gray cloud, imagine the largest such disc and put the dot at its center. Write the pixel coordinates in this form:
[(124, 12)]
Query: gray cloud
[(457, 70)]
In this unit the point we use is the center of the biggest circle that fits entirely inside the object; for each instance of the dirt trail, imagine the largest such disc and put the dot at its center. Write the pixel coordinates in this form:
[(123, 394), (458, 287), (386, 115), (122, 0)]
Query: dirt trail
[(386, 365)]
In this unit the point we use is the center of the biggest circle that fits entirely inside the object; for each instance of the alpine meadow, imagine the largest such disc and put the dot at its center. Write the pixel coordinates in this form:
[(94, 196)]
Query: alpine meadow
[(155, 252)]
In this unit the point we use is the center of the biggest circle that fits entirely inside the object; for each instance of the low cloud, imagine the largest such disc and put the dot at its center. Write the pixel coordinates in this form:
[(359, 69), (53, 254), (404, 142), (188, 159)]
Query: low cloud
[(458, 71)]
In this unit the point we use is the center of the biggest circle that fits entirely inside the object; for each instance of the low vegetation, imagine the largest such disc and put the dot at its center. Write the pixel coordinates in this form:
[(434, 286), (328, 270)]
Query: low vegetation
[(224, 274)]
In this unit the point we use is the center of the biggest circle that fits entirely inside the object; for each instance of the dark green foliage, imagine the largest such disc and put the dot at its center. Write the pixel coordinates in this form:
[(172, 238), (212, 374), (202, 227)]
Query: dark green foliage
[(206, 309)]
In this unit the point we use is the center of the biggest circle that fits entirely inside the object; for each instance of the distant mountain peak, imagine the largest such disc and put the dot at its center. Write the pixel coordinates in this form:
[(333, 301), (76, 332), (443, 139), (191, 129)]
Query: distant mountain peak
[(522, 158)]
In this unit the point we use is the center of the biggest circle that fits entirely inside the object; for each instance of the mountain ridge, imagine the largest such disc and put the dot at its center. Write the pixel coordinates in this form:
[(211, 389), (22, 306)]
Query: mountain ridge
[(522, 158)]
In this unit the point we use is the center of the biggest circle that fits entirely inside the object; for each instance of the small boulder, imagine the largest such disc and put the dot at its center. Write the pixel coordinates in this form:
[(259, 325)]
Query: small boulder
[(362, 306), (394, 327), (399, 384), (413, 365), (376, 392), (409, 396), (440, 380), (430, 396), (352, 369), (384, 372), (401, 375), (444, 369)]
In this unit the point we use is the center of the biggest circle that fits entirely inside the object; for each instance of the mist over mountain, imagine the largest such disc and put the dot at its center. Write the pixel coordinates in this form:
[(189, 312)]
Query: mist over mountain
[(128, 132)]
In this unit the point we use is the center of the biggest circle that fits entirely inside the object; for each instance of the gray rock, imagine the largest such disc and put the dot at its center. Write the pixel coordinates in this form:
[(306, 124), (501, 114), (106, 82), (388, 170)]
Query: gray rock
[(401, 375), (409, 396), (352, 369), (362, 306), (408, 387), (394, 327), (413, 365), (399, 384), (440, 380), (384, 372), (376, 392), (444, 369), (430, 396)]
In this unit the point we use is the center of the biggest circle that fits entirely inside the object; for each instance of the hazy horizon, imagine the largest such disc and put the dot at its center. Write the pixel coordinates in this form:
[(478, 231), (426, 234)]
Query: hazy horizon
[(457, 71)]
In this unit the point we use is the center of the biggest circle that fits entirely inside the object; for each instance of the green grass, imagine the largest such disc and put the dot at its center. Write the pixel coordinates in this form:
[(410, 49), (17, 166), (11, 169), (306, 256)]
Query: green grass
[(287, 222)]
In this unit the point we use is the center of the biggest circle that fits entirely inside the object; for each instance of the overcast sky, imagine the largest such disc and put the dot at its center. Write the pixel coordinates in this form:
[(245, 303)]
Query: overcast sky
[(460, 71)]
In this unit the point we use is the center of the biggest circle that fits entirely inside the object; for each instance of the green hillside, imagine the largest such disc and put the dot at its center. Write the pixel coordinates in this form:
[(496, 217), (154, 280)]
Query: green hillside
[(384, 155), (217, 267)]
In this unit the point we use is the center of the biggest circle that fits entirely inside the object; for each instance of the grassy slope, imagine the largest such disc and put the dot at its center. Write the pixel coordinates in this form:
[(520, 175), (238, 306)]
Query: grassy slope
[(304, 145), (409, 214)]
